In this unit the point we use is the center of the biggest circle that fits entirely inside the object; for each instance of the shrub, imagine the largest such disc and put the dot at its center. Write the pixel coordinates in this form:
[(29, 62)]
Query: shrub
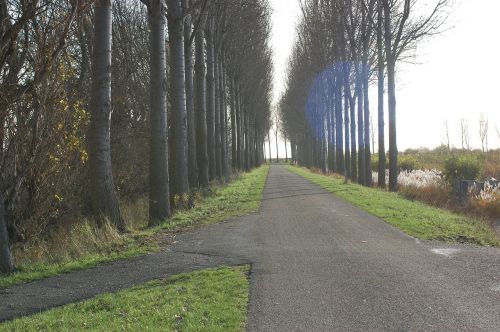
[(407, 163), (486, 203), (375, 163), (461, 168), (440, 196)]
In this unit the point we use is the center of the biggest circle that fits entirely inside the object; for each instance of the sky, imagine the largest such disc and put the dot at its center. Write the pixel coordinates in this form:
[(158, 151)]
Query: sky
[(456, 75)]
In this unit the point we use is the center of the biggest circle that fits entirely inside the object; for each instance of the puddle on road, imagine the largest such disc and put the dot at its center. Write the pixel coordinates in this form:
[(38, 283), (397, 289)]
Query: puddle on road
[(447, 252)]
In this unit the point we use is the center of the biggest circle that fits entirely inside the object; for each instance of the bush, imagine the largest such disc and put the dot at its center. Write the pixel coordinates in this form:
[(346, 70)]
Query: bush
[(486, 203), (440, 196), (407, 163), (375, 163), (461, 168)]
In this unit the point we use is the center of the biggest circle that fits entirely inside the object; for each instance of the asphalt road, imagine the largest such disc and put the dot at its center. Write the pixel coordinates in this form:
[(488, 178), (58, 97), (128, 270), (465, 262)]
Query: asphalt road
[(318, 264)]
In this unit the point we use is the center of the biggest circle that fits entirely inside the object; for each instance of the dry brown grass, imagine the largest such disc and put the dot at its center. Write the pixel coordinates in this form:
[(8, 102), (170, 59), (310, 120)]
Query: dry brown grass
[(76, 238), (444, 197), (68, 242), (438, 196)]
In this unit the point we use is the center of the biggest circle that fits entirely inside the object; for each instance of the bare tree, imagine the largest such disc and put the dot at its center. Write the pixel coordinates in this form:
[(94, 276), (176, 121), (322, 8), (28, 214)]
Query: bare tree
[(402, 31), (447, 134), (464, 134), (483, 131)]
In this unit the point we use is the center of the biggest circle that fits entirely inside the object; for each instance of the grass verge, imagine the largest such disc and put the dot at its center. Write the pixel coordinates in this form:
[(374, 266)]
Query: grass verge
[(414, 218), (207, 300), (242, 196)]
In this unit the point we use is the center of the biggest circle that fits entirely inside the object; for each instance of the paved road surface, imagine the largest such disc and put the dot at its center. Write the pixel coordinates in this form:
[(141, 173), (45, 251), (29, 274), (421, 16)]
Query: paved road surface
[(319, 264)]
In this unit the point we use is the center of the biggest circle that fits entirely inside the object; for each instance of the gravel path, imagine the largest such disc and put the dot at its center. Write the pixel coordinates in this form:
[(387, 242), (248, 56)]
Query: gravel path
[(318, 264)]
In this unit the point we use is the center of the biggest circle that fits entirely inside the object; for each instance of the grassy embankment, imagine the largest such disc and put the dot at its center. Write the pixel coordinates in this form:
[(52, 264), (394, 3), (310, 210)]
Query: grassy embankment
[(84, 246), (207, 300), (414, 218)]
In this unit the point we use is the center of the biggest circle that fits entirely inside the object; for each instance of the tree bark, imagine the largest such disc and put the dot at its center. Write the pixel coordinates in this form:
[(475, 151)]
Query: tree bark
[(347, 158), (276, 137), (180, 181), (224, 157), (218, 111), (159, 200), (361, 139), (102, 188), (338, 123), (381, 84), (234, 137), (286, 151), (391, 91), (201, 109), (191, 129), (6, 262), (211, 101), (366, 105), (241, 127), (270, 155)]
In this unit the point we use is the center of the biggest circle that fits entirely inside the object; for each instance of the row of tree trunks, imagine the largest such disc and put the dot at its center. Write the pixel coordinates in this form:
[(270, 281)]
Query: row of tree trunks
[(202, 141)]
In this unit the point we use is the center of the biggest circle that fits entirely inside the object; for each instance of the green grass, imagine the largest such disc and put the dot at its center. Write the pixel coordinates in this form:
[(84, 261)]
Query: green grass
[(207, 300), (240, 197), (414, 218)]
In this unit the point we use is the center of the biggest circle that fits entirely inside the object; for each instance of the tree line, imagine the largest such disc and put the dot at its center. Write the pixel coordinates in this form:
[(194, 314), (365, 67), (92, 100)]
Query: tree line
[(342, 48), (103, 101)]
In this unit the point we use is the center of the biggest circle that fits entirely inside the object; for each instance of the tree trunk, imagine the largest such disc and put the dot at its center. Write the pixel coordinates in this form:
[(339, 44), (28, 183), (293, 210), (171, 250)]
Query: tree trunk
[(351, 106), (347, 157), (224, 157), (247, 141), (338, 122), (218, 111), (270, 155), (381, 84), (331, 137), (286, 150), (234, 150), (201, 109), (211, 101), (180, 181), (276, 137), (393, 148), (391, 91), (191, 130), (159, 200), (241, 129), (6, 263), (361, 139), (368, 153), (102, 188), (366, 37)]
